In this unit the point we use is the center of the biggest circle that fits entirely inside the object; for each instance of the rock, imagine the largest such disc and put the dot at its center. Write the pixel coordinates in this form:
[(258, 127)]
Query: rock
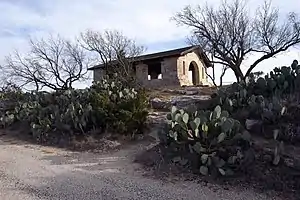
[(157, 103), (184, 100), (157, 118), (180, 91), (191, 92), (200, 102), (168, 90)]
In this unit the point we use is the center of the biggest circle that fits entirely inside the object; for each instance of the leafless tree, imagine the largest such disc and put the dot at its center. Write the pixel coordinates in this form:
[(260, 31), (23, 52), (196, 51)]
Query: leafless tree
[(212, 76), (54, 63), (231, 34), (114, 51)]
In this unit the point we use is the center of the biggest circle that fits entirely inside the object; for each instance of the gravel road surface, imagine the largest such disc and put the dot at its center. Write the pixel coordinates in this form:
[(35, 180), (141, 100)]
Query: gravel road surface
[(29, 172)]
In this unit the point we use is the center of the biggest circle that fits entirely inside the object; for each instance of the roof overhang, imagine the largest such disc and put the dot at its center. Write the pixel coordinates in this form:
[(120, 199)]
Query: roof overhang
[(165, 54)]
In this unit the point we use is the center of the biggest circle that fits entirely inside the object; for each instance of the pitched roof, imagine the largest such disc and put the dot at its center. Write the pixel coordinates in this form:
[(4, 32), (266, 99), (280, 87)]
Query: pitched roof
[(169, 53)]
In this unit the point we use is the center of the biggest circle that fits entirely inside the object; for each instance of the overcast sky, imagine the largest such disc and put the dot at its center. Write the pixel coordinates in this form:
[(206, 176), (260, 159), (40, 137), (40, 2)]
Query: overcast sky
[(146, 21)]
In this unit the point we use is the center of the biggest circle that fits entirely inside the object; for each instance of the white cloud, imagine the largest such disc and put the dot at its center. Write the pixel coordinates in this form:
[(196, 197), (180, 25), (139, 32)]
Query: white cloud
[(147, 21)]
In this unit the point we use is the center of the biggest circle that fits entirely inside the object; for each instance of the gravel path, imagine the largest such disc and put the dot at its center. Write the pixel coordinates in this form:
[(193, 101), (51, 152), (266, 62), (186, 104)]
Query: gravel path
[(33, 172)]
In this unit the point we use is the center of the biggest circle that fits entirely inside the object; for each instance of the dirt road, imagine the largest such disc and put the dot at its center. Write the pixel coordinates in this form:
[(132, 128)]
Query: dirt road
[(29, 172)]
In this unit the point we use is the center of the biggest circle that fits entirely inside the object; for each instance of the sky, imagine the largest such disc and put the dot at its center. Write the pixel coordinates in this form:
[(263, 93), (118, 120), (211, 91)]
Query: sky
[(148, 22)]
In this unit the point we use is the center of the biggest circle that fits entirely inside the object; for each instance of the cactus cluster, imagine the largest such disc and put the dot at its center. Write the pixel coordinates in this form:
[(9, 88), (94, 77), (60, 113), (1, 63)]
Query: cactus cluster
[(234, 97), (213, 135), (107, 105), (280, 81), (269, 110)]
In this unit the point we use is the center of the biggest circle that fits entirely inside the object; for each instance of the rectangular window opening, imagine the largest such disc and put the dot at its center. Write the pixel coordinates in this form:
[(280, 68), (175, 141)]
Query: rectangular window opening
[(183, 67)]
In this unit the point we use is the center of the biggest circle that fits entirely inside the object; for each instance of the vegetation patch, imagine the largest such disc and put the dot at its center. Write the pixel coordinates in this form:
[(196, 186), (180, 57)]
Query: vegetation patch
[(107, 106), (250, 137)]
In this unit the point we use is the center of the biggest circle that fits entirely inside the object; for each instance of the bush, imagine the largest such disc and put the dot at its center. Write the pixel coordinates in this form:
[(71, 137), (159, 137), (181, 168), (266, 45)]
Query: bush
[(124, 109), (106, 106)]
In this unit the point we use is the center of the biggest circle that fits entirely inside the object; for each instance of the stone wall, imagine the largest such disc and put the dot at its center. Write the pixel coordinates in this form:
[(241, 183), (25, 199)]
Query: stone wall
[(99, 74), (168, 70), (142, 73), (173, 72), (183, 71)]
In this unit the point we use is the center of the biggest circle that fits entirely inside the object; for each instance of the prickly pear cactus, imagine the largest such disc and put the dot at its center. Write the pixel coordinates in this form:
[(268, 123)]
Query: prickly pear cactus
[(208, 133)]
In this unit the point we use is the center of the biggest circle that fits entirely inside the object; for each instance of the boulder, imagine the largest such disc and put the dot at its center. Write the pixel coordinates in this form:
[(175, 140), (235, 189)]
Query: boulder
[(196, 102), (191, 92), (157, 103), (157, 118), (199, 102)]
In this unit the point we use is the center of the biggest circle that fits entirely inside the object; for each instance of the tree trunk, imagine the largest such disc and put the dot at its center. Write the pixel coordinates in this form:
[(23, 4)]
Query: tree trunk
[(238, 73), (239, 76)]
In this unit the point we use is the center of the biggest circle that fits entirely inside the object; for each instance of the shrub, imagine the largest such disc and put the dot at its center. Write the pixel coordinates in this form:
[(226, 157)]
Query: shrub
[(124, 108)]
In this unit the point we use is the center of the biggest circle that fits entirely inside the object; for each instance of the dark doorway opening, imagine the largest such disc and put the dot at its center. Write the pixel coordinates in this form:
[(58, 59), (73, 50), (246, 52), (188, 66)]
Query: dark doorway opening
[(194, 73)]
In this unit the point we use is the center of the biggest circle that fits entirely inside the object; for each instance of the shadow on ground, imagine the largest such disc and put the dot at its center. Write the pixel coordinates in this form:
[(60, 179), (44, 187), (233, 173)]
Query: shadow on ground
[(280, 181)]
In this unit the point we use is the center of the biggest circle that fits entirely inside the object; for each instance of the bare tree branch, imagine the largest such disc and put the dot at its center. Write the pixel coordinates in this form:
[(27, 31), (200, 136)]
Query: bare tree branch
[(213, 76), (54, 63), (230, 34), (115, 51)]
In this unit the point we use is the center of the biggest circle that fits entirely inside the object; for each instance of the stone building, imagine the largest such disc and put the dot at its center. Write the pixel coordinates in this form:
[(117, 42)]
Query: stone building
[(178, 67)]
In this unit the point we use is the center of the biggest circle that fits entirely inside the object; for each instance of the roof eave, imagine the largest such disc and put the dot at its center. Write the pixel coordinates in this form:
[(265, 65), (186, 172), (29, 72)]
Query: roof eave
[(144, 57)]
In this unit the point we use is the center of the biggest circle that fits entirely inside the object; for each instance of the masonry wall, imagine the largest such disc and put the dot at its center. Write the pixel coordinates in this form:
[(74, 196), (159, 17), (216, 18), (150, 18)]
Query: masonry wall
[(168, 70), (98, 74), (183, 71), (173, 72)]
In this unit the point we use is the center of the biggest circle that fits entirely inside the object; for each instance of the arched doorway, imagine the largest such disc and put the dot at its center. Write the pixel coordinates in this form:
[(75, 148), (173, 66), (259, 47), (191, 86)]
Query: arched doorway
[(194, 73)]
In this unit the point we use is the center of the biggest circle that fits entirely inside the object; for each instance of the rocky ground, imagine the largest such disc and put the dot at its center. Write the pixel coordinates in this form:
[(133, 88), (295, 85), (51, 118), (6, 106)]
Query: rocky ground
[(186, 98)]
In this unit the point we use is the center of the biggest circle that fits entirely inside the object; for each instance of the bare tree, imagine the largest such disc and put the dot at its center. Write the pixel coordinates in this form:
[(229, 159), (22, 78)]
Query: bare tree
[(230, 34), (115, 52), (55, 63), (213, 75)]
